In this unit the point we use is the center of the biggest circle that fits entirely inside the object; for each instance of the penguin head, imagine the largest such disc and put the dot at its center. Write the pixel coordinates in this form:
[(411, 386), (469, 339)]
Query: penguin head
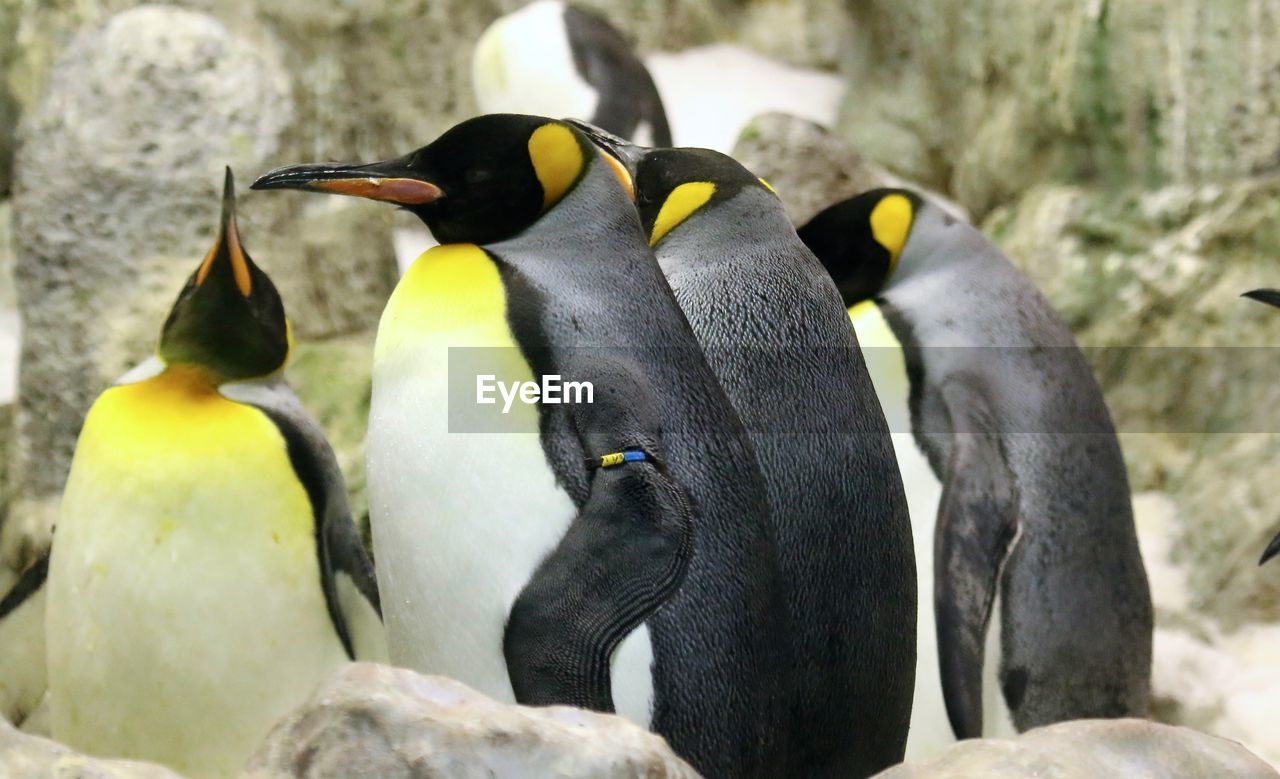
[(860, 241), (675, 186), (671, 186), (485, 180), (228, 320)]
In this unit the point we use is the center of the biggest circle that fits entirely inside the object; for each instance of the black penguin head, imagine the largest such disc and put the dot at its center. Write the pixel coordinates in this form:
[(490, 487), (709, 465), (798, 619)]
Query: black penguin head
[(482, 181), (860, 240), (228, 320)]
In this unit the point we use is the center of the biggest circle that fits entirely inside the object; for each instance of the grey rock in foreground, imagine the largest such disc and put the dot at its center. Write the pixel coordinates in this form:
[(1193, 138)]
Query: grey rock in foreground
[(1093, 749), (375, 721), (30, 757)]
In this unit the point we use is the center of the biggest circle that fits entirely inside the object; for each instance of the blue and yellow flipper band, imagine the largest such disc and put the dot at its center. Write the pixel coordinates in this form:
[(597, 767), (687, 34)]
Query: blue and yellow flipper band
[(616, 458)]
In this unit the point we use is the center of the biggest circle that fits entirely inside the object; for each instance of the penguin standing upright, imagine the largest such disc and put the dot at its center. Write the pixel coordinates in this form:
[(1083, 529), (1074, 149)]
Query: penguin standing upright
[(206, 574), (1272, 298), (777, 336), (554, 58), (517, 556), (1036, 498)]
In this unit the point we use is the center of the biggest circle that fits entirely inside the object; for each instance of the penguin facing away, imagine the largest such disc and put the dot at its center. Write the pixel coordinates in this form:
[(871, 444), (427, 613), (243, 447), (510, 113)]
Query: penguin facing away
[(614, 554), (1272, 298), (777, 336), (554, 58), (206, 574), (1036, 498)]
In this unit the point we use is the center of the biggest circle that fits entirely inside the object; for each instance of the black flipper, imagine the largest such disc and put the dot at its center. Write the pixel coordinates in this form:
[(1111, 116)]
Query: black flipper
[(1269, 296), (628, 95), (338, 542), (623, 557), (977, 524), (1272, 550), (29, 583)]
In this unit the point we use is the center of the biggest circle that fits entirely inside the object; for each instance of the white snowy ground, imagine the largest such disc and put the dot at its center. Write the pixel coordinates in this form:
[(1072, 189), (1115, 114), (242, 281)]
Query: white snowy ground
[(8, 355)]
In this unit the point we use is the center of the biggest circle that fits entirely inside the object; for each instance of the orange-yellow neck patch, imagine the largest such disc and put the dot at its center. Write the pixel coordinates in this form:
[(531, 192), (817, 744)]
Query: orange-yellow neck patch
[(679, 206), (891, 224), (557, 160)]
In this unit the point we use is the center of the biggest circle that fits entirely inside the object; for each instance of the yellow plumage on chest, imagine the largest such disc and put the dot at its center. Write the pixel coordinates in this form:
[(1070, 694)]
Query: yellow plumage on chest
[(185, 612)]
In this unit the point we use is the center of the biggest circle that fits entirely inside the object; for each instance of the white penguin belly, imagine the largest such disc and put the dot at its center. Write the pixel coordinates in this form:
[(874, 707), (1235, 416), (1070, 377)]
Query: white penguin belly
[(462, 519), (185, 613), (930, 729)]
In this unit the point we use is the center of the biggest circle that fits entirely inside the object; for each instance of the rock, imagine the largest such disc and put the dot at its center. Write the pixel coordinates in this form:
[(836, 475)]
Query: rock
[(22, 755), (810, 167), (1152, 92), (1088, 749), (374, 720)]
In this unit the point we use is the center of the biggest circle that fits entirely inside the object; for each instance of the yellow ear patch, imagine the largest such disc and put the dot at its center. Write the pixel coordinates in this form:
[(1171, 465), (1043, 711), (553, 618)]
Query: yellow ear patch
[(768, 186), (890, 224), (679, 205), (557, 160), (621, 172)]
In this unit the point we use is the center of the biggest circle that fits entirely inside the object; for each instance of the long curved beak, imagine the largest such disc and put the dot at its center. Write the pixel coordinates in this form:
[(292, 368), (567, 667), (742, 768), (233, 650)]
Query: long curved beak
[(392, 181)]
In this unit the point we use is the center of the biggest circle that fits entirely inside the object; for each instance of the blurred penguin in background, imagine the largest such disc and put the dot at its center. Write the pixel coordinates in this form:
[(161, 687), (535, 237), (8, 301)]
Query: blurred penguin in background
[(1035, 504), (1272, 298), (206, 574), (553, 58)]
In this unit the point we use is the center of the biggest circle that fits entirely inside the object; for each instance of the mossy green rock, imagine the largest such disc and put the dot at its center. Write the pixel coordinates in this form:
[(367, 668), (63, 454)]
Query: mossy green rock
[(981, 100)]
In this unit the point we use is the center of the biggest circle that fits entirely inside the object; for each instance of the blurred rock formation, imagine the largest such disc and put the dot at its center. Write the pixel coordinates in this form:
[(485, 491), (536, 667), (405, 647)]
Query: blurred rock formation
[(373, 720), (1089, 749)]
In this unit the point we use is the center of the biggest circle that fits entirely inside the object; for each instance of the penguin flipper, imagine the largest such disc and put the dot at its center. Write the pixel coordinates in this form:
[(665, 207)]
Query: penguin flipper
[(977, 525), (22, 644), (1271, 551), (1269, 296), (346, 572), (623, 556)]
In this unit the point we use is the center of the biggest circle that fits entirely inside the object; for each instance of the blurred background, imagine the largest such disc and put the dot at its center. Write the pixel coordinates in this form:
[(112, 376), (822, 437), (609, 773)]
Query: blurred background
[(1125, 155)]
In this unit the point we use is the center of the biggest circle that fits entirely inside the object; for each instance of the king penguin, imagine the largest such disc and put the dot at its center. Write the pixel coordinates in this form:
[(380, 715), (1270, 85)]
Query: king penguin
[(1272, 298), (1035, 503), (205, 575), (776, 334), (554, 58), (613, 553)]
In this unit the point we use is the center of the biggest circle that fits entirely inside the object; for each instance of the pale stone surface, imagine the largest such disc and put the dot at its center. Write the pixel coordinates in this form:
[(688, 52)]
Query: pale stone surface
[(373, 720), (1089, 749), (31, 757)]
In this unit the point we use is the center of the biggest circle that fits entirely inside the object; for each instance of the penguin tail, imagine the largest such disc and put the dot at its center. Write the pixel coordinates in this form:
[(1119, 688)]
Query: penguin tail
[(1269, 296)]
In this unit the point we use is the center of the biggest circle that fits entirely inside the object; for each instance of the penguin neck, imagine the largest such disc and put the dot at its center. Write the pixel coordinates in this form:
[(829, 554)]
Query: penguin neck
[(586, 261), (726, 233)]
